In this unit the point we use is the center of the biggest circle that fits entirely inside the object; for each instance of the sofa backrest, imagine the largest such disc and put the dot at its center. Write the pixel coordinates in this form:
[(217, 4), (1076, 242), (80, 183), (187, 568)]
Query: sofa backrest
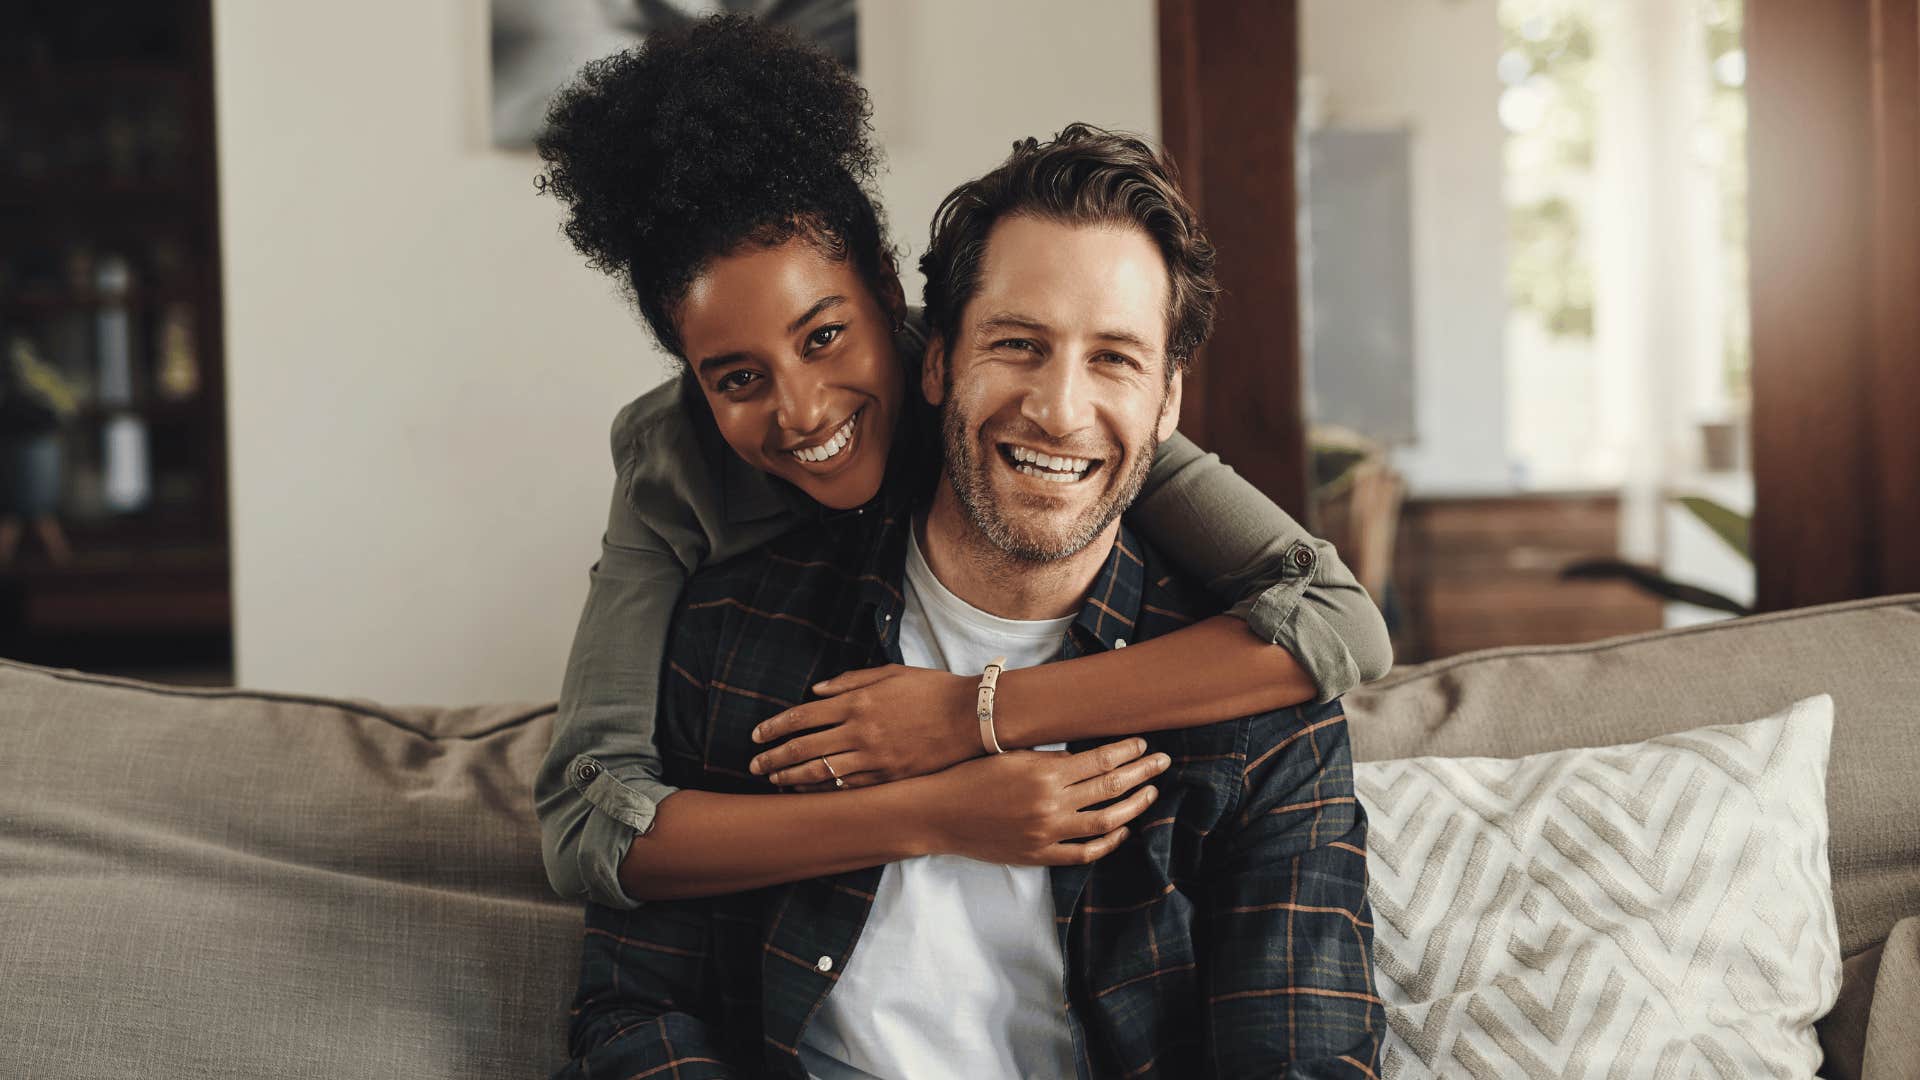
[(1513, 702), (223, 883), (218, 883)]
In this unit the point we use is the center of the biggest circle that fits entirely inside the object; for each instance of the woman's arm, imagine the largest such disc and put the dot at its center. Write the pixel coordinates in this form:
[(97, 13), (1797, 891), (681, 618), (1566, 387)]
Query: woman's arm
[(1291, 590), (1027, 808)]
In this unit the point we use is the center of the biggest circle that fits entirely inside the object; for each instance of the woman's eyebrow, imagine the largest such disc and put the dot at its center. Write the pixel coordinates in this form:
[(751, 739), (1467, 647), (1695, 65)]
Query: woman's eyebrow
[(718, 360), (820, 305)]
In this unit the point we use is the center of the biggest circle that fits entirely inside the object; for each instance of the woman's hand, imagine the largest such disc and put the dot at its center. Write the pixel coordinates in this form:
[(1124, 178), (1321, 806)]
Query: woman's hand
[(1026, 807), (873, 725)]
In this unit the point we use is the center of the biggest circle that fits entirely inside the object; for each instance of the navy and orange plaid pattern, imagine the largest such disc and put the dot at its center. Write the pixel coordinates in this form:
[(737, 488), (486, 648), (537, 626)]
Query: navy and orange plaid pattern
[(1229, 936)]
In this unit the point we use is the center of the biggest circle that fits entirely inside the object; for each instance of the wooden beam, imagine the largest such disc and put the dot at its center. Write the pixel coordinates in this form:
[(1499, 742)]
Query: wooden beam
[(1229, 85), (1834, 106), (1896, 298)]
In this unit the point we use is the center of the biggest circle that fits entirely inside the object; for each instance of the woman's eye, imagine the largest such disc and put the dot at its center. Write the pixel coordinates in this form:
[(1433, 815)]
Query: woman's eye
[(825, 336), (735, 380)]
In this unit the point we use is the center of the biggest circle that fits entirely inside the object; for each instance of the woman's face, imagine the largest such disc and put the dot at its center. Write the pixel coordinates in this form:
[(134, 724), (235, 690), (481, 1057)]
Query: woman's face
[(795, 355)]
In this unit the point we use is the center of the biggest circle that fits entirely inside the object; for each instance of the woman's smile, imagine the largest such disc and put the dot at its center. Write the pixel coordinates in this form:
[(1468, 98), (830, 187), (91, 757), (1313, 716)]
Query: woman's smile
[(834, 452)]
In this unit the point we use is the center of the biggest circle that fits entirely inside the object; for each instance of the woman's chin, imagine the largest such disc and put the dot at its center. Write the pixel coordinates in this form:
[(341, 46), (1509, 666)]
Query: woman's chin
[(846, 489), (843, 493)]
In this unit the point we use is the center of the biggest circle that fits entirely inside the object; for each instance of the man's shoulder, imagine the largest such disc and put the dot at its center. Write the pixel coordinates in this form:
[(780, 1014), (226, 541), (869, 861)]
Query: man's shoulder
[(1171, 601)]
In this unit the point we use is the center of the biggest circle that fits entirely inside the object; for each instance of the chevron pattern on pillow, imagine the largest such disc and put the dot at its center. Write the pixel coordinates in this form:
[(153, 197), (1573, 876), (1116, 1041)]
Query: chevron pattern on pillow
[(1656, 910)]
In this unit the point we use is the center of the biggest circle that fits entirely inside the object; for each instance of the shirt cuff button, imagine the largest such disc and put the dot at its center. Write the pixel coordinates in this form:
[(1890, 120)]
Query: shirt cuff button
[(1303, 558), (587, 771), (824, 964)]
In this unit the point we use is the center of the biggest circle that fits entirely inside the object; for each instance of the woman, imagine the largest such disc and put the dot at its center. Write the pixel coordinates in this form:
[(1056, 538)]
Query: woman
[(720, 172)]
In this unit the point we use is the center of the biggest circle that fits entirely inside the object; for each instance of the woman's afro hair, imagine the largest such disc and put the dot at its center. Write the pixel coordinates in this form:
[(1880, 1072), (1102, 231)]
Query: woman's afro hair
[(706, 137)]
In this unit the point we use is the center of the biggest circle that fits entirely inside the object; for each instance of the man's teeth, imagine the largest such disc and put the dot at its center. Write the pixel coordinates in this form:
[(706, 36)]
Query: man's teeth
[(1060, 470), (831, 448)]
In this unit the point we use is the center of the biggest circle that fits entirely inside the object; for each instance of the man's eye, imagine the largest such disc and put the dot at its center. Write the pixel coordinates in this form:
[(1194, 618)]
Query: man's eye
[(825, 336), (1018, 344), (1114, 358), (735, 380)]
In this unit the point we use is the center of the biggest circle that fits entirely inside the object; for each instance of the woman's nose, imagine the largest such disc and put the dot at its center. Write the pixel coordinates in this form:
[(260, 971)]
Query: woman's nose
[(803, 404)]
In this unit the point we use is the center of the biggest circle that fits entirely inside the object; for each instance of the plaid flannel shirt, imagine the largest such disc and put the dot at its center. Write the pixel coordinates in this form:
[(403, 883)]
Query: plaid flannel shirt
[(1229, 935)]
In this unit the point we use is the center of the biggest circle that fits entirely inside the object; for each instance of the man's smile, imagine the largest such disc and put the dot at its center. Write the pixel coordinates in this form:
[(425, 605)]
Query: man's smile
[(1053, 468)]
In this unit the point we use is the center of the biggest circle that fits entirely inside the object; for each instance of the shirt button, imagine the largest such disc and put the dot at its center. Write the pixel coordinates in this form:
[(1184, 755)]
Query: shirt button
[(588, 770), (1119, 643), (1303, 558), (887, 617), (824, 964)]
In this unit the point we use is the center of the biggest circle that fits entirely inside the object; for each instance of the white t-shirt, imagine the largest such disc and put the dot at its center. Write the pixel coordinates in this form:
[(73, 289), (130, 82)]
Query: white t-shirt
[(958, 971)]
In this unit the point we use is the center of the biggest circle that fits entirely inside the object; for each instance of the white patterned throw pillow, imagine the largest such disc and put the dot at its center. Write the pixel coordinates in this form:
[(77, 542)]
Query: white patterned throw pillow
[(1656, 910)]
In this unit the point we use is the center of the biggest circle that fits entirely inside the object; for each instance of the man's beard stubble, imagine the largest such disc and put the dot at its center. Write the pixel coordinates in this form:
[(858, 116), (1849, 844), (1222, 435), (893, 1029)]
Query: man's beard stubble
[(999, 524)]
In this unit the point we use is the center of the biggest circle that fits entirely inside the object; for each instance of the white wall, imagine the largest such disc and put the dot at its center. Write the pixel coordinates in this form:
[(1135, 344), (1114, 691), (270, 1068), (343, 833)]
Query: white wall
[(1430, 65), (420, 373)]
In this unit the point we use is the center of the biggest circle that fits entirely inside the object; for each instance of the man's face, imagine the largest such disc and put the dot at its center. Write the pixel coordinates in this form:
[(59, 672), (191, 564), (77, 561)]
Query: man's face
[(1054, 393)]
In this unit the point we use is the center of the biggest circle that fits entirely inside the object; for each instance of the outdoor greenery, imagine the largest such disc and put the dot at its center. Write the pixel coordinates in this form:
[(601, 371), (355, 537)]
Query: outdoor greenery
[(1547, 65)]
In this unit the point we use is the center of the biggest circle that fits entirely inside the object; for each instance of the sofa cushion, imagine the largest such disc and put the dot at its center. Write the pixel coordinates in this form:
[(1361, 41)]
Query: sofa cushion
[(216, 883), (1866, 654), (1633, 910)]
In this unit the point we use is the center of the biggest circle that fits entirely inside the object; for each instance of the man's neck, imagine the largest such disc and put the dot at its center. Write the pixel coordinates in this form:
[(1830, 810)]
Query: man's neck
[(974, 569)]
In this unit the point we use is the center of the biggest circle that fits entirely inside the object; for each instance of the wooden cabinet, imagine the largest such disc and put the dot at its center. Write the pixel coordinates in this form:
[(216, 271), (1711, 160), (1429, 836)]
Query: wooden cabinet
[(113, 519), (1476, 573)]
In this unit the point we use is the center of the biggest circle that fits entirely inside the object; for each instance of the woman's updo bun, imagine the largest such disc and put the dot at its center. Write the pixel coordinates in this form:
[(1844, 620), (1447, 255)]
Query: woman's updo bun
[(704, 138)]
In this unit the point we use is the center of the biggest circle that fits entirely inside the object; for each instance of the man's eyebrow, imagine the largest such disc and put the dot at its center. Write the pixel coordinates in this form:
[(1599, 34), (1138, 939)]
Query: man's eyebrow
[(1007, 320), (1127, 337), (819, 306)]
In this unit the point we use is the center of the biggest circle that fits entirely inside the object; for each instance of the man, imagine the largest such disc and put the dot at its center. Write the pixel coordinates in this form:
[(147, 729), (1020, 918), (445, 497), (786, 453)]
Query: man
[(1229, 934)]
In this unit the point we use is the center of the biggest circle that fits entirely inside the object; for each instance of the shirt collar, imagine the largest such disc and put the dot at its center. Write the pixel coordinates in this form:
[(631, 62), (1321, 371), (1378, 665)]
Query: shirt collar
[(1112, 608), (1107, 618)]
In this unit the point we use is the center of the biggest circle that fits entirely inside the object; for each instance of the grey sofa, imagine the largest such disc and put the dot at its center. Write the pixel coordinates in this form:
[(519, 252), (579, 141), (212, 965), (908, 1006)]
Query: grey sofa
[(223, 883)]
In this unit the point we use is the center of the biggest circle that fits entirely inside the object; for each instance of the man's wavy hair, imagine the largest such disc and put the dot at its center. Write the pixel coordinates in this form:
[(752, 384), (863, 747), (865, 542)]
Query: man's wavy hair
[(1084, 176)]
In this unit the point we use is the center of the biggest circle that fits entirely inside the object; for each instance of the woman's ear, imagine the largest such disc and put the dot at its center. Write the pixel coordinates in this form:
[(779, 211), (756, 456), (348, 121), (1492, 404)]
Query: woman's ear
[(893, 298), (933, 372)]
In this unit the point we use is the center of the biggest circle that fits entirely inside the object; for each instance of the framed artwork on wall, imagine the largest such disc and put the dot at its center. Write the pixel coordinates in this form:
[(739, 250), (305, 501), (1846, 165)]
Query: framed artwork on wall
[(537, 45)]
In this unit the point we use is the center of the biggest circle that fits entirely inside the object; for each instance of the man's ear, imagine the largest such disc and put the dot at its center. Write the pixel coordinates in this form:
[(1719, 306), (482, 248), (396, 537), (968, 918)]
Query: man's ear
[(1170, 408), (933, 371)]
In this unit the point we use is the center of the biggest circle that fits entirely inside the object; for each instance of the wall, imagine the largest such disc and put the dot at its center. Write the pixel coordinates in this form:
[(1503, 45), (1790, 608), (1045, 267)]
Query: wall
[(1430, 66), (421, 373)]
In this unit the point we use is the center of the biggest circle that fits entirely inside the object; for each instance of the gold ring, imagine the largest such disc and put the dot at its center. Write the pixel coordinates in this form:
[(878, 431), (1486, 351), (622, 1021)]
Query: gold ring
[(837, 782)]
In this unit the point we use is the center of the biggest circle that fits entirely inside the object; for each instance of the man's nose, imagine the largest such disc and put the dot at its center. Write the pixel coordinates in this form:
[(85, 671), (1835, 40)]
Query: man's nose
[(1057, 398), (803, 402)]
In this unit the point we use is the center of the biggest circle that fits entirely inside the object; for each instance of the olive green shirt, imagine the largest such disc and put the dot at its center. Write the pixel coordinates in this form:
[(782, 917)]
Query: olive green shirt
[(681, 499)]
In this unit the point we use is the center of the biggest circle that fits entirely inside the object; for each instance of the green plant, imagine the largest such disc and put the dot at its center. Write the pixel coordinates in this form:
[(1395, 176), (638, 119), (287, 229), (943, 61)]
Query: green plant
[(1730, 526)]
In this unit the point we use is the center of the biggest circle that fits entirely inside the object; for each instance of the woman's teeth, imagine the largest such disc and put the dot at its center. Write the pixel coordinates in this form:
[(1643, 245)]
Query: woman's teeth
[(831, 448), (1059, 470)]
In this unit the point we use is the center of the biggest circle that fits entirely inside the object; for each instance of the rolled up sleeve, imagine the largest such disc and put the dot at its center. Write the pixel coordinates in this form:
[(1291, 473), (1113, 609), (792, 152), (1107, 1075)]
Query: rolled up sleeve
[(600, 784), (1290, 587)]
